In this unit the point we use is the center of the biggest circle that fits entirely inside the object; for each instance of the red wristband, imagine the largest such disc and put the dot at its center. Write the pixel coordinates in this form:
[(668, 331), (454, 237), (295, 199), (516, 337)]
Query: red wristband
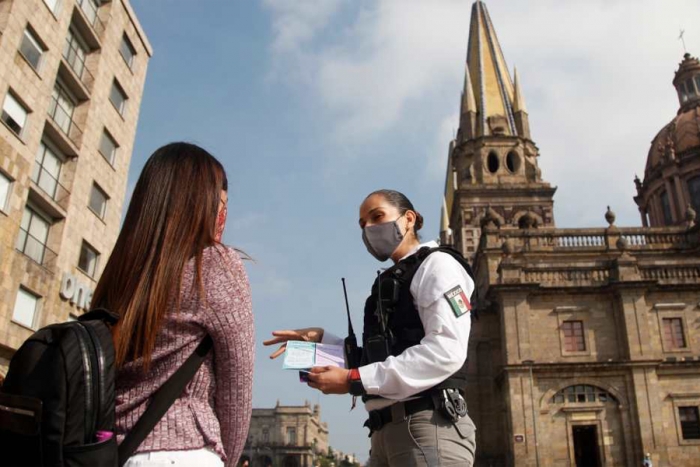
[(354, 375)]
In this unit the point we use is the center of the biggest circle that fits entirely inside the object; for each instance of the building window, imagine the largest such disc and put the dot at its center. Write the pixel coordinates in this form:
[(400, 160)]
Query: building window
[(47, 170), (53, 5), (574, 339), (292, 436), (697, 83), (88, 259), (581, 393), (127, 50), (14, 114), (118, 97), (108, 147), (75, 51), (98, 201), (690, 87), (90, 8), (26, 306), (5, 185), (684, 93), (266, 435), (31, 49), (690, 422), (33, 235), (694, 191), (673, 332), (666, 208), (61, 108)]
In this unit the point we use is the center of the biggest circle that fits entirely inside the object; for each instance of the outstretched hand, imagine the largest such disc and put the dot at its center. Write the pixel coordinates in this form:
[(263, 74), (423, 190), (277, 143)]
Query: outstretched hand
[(329, 379), (304, 334)]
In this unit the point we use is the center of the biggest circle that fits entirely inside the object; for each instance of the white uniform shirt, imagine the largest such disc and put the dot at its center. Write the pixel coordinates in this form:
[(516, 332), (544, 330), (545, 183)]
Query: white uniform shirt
[(441, 352)]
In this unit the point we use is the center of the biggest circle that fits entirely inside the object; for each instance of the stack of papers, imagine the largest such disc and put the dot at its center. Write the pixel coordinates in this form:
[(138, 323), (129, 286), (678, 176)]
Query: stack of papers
[(305, 355)]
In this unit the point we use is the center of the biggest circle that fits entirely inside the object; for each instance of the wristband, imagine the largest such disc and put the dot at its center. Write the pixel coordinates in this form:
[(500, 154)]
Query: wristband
[(356, 387)]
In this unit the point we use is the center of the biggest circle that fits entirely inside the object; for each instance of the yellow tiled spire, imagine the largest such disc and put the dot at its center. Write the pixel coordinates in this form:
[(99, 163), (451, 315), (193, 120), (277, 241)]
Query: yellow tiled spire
[(493, 86)]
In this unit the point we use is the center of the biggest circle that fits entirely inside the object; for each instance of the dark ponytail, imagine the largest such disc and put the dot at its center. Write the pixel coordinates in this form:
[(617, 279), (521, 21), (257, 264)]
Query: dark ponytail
[(400, 202)]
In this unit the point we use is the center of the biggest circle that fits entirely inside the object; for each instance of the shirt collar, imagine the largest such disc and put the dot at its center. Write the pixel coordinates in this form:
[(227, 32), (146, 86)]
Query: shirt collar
[(430, 244)]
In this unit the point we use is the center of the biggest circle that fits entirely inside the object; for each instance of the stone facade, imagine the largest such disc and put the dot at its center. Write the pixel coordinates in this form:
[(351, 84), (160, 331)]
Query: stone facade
[(585, 345), (286, 436), (66, 94)]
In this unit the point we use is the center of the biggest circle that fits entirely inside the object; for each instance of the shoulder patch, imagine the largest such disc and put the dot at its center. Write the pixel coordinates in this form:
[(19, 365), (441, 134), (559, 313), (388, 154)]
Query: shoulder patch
[(458, 301)]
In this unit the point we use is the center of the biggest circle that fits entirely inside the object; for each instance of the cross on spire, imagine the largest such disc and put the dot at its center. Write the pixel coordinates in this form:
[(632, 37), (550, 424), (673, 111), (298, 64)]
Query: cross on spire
[(680, 37)]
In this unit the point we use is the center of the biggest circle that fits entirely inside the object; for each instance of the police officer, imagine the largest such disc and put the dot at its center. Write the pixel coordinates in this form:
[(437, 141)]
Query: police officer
[(411, 369)]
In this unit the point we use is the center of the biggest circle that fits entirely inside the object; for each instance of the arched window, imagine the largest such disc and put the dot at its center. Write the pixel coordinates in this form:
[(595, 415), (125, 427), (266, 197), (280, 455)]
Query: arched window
[(513, 162), (266, 435), (581, 393), (694, 191), (492, 162), (666, 208)]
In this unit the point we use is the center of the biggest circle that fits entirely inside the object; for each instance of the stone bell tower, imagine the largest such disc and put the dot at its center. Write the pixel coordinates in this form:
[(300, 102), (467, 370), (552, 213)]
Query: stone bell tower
[(492, 172)]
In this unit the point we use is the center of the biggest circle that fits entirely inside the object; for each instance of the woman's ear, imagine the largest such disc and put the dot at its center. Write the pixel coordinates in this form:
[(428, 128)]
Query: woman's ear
[(410, 221)]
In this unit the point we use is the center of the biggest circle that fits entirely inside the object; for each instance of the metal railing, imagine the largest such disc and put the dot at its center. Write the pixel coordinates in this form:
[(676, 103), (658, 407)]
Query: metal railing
[(77, 64), (90, 11), (51, 186), (35, 249), (64, 120)]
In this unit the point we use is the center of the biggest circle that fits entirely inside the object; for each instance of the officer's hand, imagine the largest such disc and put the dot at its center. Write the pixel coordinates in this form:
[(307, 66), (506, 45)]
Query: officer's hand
[(329, 379), (305, 334)]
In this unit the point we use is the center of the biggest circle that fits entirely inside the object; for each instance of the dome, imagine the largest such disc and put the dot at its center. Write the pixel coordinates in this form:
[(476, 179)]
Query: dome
[(680, 137), (671, 183)]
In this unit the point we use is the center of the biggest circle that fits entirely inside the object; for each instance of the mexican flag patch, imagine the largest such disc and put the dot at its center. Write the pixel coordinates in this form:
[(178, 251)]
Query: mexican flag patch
[(458, 301)]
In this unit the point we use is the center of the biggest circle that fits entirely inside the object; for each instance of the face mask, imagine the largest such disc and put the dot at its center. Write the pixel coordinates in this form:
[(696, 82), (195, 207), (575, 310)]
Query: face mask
[(220, 224), (382, 240)]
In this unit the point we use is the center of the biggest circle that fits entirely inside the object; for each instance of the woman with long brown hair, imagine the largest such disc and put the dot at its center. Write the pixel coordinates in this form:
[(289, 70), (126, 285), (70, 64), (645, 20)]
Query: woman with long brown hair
[(172, 282)]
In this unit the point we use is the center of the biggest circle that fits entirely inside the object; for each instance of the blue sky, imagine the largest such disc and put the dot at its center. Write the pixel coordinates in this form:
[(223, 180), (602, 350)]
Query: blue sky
[(312, 104)]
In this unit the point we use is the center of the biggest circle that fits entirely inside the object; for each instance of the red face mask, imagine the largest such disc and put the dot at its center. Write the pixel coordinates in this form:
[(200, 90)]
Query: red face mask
[(220, 223)]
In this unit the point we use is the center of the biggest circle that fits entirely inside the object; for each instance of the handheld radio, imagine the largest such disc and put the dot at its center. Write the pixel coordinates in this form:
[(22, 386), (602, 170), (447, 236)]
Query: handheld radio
[(350, 343)]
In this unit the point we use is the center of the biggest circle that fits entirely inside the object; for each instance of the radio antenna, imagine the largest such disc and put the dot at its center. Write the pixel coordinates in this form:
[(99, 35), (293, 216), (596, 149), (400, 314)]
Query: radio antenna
[(351, 333)]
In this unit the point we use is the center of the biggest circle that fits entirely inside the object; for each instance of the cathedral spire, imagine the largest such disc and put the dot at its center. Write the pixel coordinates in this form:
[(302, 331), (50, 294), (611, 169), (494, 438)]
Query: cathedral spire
[(493, 86), (519, 99), (522, 122)]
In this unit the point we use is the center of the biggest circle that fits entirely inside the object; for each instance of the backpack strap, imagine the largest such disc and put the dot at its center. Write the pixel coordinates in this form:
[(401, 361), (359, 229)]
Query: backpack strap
[(163, 399), (100, 314)]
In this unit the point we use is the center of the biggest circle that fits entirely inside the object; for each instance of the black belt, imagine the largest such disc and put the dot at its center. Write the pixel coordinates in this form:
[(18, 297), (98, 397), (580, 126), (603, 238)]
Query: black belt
[(397, 412)]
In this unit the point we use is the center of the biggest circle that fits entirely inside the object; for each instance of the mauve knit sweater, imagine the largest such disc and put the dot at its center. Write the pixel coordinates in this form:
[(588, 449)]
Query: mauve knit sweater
[(215, 408)]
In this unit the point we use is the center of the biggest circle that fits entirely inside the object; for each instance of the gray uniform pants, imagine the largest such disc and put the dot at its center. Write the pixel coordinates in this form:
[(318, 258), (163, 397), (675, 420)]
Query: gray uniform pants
[(424, 439)]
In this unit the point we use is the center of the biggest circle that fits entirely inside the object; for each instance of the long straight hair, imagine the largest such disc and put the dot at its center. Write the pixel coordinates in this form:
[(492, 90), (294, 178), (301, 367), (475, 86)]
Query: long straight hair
[(171, 218)]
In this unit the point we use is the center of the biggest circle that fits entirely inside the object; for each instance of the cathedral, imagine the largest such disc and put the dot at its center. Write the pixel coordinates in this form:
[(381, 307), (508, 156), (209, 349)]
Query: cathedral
[(585, 344)]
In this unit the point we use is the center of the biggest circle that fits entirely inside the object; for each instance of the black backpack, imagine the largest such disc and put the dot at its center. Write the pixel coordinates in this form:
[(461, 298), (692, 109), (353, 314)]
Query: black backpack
[(57, 401)]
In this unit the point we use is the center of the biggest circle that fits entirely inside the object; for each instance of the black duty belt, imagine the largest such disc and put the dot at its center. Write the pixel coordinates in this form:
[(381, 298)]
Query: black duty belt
[(397, 412)]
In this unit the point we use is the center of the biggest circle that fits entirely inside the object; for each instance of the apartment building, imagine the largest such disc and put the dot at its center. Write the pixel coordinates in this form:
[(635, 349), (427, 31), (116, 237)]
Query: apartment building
[(72, 74)]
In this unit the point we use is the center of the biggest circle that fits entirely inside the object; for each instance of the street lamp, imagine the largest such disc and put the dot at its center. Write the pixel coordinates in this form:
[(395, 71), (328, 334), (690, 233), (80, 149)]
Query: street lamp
[(529, 363)]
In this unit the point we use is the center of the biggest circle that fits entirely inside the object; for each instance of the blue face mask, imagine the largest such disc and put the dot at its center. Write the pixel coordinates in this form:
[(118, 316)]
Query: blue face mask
[(382, 240)]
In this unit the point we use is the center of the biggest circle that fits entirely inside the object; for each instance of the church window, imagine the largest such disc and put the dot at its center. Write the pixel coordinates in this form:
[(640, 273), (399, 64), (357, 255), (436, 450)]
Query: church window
[(689, 86), (580, 394), (690, 422), (513, 161), (673, 333), (492, 162), (694, 191), (683, 92), (666, 208), (266, 435), (292, 435), (697, 83), (574, 338)]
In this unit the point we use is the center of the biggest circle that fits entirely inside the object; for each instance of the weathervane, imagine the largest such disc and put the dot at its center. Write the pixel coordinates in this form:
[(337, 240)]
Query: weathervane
[(680, 37)]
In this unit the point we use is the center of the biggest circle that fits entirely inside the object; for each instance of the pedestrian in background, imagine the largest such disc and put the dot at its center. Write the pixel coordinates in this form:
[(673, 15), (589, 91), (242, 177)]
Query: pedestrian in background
[(172, 282)]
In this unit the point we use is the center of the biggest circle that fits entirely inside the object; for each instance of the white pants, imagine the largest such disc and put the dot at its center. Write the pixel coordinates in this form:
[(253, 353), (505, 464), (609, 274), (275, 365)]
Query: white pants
[(199, 457)]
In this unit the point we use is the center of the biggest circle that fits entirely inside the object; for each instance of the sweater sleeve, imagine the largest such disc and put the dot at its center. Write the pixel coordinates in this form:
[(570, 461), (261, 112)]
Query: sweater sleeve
[(230, 324)]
